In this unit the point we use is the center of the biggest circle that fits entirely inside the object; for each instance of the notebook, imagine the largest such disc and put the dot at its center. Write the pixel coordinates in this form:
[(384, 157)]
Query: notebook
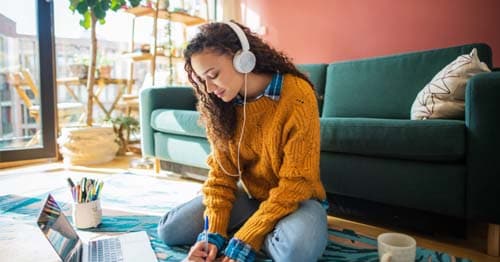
[(62, 236)]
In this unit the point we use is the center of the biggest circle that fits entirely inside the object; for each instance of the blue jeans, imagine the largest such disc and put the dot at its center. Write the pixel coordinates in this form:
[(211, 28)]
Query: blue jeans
[(300, 236)]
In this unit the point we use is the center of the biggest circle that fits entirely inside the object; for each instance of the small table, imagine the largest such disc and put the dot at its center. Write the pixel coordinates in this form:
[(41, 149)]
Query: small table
[(70, 82)]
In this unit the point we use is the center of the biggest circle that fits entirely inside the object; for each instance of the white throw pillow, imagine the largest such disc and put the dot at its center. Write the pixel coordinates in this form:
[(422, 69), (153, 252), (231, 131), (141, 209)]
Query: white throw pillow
[(444, 95)]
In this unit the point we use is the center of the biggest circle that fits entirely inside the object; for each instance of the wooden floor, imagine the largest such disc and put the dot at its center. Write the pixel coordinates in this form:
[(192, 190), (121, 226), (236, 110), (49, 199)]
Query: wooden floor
[(472, 248)]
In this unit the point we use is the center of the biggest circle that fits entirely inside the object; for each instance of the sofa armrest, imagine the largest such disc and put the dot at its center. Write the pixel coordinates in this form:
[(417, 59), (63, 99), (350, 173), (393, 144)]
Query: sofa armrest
[(482, 109), (157, 98)]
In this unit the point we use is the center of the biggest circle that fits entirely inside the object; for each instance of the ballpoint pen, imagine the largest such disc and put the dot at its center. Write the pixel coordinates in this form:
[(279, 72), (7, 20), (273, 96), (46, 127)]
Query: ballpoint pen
[(205, 230)]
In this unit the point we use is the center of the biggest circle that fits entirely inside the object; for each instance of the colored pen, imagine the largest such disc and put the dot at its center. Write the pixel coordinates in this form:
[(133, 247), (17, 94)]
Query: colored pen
[(70, 182), (205, 229), (98, 189), (79, 194), (73, 193), (72, 188)]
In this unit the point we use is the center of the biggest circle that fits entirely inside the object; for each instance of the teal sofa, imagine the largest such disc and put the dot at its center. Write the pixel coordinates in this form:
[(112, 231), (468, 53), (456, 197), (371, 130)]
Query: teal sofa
[(370, 149)]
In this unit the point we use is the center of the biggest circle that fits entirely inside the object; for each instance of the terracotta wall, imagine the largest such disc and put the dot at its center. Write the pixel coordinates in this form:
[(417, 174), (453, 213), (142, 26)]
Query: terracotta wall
[(315, 31)]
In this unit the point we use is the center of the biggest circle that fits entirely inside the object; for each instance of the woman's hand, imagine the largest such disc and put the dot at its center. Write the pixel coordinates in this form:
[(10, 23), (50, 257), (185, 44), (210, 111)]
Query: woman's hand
[(197, 253), (227, 259)]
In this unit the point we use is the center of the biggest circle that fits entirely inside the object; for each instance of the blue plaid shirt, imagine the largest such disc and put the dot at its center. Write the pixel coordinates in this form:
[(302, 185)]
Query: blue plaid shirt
[(273, 90)]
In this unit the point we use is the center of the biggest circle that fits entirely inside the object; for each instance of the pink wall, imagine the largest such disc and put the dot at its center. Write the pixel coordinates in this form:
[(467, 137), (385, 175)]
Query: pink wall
[(316, 31)]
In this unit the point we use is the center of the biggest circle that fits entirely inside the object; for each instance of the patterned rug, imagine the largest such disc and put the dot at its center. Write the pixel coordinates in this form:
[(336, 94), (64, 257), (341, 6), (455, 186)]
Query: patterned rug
[(132, 203)]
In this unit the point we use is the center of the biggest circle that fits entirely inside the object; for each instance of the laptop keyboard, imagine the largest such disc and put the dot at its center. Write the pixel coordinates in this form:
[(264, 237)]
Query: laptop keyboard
[(105, 250)]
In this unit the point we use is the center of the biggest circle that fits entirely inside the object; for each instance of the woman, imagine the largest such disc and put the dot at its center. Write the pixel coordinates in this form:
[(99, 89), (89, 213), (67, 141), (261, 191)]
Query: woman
[(263, 191)]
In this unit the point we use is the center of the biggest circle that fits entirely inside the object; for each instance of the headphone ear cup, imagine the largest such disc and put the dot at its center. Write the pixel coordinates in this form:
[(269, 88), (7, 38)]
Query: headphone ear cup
[(244, 61)]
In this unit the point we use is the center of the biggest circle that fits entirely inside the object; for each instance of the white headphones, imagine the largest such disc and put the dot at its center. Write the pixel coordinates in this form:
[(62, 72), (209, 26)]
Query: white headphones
[(243, 60)]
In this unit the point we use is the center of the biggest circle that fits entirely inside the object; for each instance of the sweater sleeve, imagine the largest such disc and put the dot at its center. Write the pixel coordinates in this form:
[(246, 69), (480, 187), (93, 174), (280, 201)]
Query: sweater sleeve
[(300, 166), (219, 192)]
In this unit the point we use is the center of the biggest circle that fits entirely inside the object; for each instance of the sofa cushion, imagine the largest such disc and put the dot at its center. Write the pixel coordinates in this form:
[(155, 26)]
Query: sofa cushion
[(444, 95), (385, 87), (432, 140), (186, 150), (181, 122)]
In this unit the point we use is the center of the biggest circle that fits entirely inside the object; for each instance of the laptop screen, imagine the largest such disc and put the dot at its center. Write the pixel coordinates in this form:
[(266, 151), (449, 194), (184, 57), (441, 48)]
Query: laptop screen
[(57, 229)]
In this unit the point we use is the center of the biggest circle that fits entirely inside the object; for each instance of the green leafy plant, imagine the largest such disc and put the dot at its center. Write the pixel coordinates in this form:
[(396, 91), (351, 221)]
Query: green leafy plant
[(91, 12), (104, 60), (123, 126), (81, 59)]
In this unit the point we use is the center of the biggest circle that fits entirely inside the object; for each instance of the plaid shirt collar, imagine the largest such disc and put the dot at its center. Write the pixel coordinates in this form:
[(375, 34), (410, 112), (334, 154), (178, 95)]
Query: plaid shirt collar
[(273, 90)]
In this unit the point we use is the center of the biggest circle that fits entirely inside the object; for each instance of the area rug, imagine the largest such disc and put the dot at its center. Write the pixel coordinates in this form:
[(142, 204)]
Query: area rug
[(136, 202)]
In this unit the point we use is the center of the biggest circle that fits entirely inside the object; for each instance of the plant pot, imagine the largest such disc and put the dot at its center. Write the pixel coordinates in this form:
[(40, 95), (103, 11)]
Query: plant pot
[(79, 70), (87, 145), (163, 5), (104, 71)]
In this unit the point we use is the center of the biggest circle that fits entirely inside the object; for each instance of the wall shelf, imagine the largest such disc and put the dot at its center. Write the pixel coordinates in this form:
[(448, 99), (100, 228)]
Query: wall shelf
[(179, 17), (156, 53), (137, 57), (144, 11)]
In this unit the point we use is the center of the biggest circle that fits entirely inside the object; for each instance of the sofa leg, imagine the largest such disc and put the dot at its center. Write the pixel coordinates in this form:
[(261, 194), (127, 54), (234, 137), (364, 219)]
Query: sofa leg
[(157, 165), (493, 240)]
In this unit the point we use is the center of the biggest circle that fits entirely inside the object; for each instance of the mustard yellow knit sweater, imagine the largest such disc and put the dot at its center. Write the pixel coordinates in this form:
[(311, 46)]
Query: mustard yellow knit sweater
[(279, 157)]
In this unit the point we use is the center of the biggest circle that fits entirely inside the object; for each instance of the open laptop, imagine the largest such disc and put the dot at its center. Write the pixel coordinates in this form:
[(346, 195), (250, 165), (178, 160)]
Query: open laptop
[(55, 226)]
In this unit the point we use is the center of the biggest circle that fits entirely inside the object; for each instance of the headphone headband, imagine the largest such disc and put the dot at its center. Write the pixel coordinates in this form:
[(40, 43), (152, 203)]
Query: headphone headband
[(245, 46), (244, 59)]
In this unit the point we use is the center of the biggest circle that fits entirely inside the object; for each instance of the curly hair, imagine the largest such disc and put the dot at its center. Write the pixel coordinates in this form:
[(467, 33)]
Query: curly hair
[(219, 116)]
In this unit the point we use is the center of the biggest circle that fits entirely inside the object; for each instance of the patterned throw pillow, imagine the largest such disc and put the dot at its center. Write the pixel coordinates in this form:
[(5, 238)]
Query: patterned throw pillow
[(444, 95)]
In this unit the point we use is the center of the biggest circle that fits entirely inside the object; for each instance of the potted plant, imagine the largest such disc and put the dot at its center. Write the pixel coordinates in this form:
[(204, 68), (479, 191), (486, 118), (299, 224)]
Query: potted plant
[(105, 67), (91, 144), (123, 126), (80, 66)]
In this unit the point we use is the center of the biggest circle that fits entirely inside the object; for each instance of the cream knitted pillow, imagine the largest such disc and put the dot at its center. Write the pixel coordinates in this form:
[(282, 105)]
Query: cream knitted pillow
[(444, 95)]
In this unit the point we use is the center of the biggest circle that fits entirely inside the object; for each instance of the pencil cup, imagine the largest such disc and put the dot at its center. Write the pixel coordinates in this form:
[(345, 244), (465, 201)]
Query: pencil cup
[(87, 215), (396, 247)]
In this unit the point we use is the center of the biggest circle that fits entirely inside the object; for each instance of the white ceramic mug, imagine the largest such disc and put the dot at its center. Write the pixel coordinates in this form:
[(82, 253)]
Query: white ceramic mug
[(396, 247), (87, 215)]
